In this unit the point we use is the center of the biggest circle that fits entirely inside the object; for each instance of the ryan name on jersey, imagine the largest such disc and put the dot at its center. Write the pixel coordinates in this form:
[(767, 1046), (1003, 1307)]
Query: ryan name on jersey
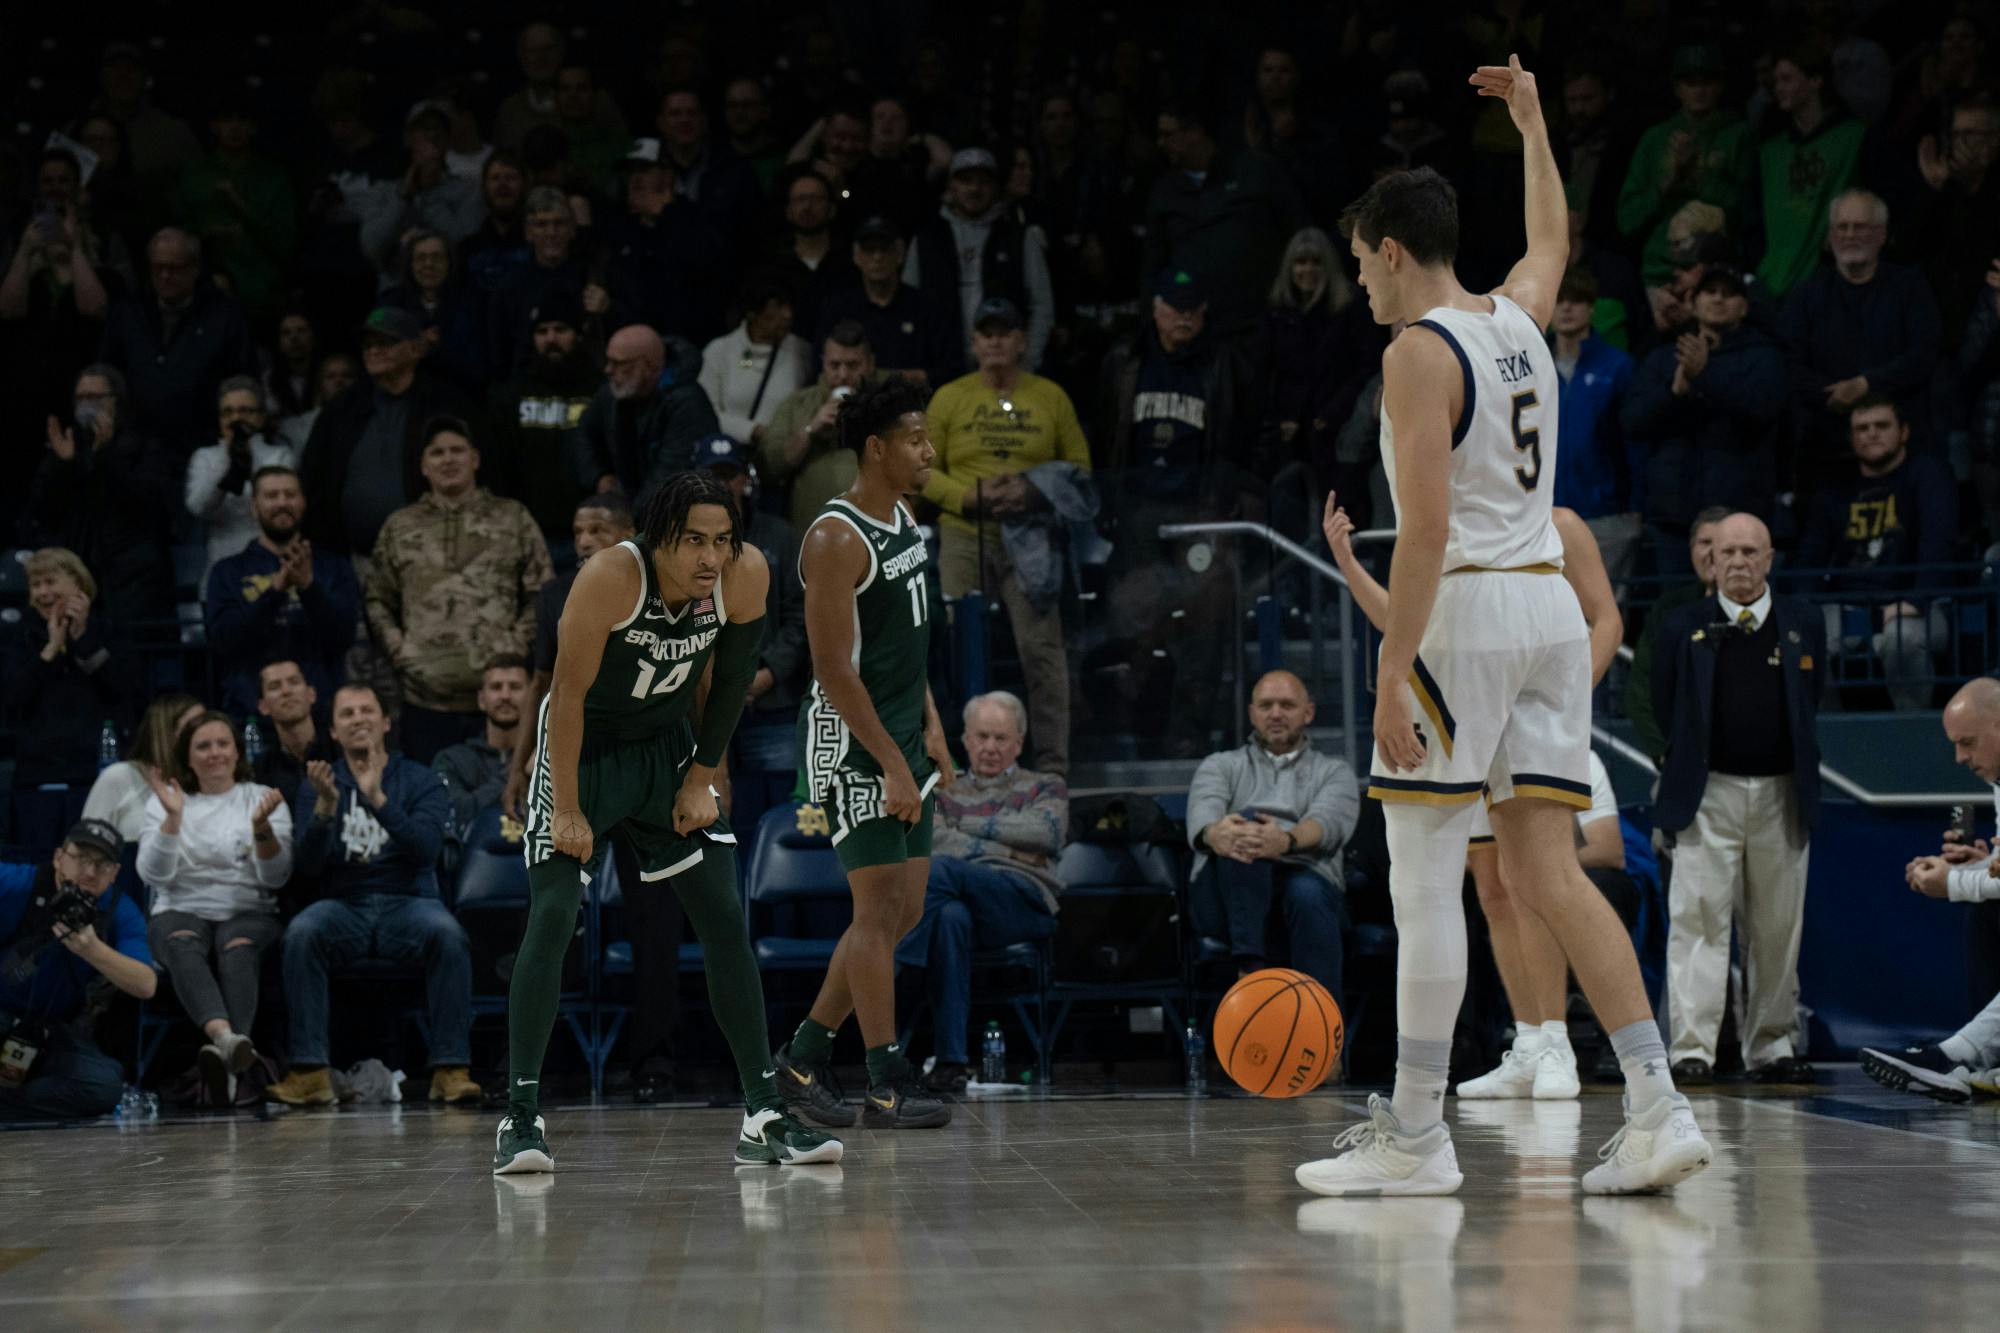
[(1515, 366)]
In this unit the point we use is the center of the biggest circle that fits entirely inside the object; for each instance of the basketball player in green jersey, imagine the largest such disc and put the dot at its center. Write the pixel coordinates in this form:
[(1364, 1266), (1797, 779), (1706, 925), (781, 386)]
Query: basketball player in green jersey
[(873, 747), (616, 747)]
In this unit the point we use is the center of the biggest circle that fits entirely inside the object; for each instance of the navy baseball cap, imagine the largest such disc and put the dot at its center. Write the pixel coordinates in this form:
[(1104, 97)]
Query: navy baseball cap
[(1180, 289), (559, 307), (996, 310), (98, 836), (719, 450), (877, 228)]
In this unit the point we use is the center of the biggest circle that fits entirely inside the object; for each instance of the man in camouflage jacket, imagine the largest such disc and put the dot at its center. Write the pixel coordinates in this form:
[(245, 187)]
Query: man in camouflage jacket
[(451, 586)]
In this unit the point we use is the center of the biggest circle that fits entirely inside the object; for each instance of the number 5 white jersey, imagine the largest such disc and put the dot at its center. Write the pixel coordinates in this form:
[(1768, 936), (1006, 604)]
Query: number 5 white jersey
[(1503, 447)]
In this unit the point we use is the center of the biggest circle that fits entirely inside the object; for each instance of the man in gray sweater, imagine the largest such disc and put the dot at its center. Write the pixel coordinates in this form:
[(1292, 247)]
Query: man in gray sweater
[(998, 831), (1267, 823)]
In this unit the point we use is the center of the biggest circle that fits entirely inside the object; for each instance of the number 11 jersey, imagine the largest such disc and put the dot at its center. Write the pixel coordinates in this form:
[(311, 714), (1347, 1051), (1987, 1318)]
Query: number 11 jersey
[(1503, 445), (892, 640)]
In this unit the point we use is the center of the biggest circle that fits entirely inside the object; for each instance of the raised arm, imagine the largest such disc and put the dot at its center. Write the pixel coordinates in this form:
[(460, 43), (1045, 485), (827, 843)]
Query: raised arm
[(1533, 282), (1583, 566)]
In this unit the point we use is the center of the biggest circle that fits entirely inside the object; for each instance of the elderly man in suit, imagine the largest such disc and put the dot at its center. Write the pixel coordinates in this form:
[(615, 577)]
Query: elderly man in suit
[(1735, 687)]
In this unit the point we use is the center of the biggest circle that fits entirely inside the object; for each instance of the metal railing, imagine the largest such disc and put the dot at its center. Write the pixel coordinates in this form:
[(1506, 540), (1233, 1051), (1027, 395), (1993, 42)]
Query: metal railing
[(1617, 745), (1320, 569)]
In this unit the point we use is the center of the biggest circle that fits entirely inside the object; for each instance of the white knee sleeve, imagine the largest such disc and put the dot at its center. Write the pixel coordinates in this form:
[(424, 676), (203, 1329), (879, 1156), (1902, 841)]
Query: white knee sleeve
[(1427, 886)]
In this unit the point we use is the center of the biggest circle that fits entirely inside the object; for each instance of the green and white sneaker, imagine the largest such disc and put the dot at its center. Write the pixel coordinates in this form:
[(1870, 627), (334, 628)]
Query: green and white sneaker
[(772, 1138), (519, 1147)]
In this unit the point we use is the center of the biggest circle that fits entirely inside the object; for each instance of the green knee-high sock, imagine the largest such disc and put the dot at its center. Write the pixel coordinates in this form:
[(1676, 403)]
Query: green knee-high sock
[(735, 987), (556, 895)]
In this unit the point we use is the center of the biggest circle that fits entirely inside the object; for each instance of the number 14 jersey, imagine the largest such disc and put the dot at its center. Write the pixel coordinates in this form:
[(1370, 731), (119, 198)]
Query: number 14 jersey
[(892, 639), (652, 662), (1503, 445)]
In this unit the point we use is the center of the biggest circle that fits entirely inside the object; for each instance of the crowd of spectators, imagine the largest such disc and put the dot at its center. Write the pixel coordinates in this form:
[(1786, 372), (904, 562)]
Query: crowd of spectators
[(396, 322)]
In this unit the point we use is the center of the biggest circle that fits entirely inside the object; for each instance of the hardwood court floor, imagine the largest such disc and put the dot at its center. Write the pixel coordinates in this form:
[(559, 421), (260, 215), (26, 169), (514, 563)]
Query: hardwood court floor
[(1854, 1208)]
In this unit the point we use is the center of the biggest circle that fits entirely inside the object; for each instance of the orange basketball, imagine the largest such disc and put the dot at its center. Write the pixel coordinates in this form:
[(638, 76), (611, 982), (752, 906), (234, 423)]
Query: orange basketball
[(1277, 1033)]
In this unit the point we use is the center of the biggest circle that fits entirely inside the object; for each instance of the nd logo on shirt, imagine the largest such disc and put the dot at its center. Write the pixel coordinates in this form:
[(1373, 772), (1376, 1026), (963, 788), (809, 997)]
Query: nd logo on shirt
[(362, 837)]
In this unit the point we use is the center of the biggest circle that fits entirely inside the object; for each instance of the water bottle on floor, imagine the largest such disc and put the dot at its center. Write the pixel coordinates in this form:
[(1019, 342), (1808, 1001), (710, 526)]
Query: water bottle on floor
[(1197, 1061), (993, 1055)]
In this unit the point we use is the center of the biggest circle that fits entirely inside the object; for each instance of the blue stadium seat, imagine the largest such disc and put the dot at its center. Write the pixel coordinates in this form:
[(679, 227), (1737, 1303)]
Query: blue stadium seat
[(492, 881), (797, 890), (1145, 872)]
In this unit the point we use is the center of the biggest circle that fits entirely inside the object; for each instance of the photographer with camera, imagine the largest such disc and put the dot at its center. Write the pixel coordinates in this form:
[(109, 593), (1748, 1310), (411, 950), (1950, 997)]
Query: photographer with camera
[(220, 475), (64, 928)]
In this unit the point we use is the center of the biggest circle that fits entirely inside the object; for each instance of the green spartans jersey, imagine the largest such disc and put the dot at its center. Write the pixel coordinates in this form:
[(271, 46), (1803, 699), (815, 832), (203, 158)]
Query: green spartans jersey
[(652, 662), (892, 640)]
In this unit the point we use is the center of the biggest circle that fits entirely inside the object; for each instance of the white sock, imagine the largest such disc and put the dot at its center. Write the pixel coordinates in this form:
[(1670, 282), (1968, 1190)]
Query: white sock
[(1643, 1058), (1422, 1070), (1555, 1032), (1959, 1049), (1528, 1040)]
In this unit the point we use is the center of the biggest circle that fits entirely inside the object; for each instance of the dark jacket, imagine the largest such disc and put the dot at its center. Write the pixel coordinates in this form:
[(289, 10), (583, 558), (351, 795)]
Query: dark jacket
[(1315, 362), (510, 308), (784, 648), (1684, 692), (1718, 445), (249, 625), (1135, 470), (338, 430), (1003, 266), (460, 322), (173, 380), (668, 273), (59, 708), (346, 854), (1229, 230), (1886, 328), (532, 417), (644, 442), (906, 334), (113, 506)]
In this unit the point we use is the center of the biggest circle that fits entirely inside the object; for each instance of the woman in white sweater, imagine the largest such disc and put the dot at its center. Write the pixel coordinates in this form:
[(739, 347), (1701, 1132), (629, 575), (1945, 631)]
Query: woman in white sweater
[(215, 848), (749, 371)]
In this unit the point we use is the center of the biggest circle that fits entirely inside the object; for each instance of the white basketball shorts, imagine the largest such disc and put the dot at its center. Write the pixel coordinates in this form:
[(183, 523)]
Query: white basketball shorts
[(1500, 693)]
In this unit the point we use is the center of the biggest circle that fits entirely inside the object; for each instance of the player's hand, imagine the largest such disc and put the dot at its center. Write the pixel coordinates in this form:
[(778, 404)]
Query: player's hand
[(900, 798), (1928, 875), (694, 806), (939, 750), (1964, 853), (1395, 730), (1516, 86), (570, 832), (1339, 529)]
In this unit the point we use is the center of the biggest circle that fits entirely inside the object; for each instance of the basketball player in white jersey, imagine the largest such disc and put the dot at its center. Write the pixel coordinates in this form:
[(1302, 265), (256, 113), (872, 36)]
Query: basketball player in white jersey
[(1484, 676)]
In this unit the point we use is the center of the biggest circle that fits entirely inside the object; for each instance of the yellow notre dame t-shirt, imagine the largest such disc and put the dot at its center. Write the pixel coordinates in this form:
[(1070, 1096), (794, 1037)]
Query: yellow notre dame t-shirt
[(980, 432)]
